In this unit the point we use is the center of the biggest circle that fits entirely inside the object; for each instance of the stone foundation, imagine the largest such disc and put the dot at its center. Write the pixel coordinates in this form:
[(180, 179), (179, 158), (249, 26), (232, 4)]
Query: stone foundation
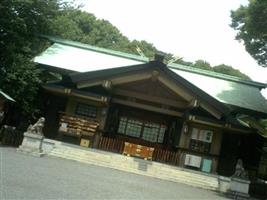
[(239, 188), (32, 144)]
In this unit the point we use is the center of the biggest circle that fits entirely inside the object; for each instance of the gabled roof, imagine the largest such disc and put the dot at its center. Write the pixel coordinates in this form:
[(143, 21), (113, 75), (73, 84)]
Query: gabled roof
[(95, 77), (75, 56), (245, 94), (216, 75), (97, 61)]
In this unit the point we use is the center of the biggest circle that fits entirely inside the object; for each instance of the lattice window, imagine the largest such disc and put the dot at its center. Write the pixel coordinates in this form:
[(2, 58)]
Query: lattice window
[(134, 128), (122, 125), (146, 130), (201, 140), (161, 133), (150, 132), (86, 110), (200, 146)]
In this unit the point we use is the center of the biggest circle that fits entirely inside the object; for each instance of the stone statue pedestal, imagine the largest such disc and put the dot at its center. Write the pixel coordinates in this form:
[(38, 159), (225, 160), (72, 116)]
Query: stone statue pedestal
[(32, 144), (239, 188)]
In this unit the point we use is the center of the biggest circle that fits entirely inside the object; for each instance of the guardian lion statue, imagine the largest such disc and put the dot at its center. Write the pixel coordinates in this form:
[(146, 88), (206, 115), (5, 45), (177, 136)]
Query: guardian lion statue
[(37, 128), (240, 171)]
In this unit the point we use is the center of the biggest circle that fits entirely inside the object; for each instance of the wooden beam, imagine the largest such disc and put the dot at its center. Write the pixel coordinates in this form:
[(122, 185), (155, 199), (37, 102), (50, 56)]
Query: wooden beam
[(187, 96), (102, 99), (89, 84), (213, 124), (175, 88), (71, 93), (211, 110), (147, 107), (116, 80), (160, 100), (130, 78), (193, 103)]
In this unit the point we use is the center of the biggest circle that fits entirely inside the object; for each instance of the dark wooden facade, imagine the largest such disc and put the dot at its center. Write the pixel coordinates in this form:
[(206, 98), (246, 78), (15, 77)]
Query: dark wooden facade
[(148, 107)]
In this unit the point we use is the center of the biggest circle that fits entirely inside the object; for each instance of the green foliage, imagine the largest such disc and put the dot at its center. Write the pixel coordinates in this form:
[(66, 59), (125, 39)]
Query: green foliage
[(202, 64), (80, 26), (73, 24), (183, 62), (225, 69), (20, 22), (251, 23), (22, 81), (76, 25)]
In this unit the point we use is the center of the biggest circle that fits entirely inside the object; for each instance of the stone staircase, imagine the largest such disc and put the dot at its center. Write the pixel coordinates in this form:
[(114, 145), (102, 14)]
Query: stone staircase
[(135, 165)]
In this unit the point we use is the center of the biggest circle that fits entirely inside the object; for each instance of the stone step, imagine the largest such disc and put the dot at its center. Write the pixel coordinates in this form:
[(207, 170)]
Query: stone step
[(177, 176), (192, 182), (89, 161), (169, 170), (137, 166)]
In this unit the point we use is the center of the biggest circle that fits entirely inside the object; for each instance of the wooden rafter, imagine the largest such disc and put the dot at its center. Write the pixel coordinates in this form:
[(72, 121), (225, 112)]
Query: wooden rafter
[(175, 88), (117, 79), (149, 98), (147, 107), (211, 110)]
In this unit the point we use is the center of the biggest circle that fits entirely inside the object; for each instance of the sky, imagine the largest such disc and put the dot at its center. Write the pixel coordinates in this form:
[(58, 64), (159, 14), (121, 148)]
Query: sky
[(191, 29)]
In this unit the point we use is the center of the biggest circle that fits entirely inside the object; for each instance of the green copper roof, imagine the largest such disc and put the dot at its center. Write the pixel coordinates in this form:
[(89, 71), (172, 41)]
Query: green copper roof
[(226, 91), (216, 75), (81, 60), (76, 56), (98, 49), (80, 57)]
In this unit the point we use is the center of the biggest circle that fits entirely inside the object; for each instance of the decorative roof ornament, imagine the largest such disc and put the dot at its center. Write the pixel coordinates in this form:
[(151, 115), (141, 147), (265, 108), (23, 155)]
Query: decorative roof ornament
[(141, 53), (174, 59)]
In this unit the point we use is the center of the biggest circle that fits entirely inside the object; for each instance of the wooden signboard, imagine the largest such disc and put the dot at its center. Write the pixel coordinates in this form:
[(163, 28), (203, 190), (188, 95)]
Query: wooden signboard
[(131, 149), (77, 126)]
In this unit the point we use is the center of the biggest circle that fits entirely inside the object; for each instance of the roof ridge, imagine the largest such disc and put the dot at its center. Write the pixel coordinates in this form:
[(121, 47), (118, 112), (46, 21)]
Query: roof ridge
[(216, 75), (95, 48)]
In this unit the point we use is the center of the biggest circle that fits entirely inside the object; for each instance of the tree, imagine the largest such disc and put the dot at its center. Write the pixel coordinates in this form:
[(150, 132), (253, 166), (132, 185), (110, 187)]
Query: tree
[(182, 62), (74, 24), (22, 82), (251, 23), (77, 25), (20, 22), (202, 64), (225, 69)]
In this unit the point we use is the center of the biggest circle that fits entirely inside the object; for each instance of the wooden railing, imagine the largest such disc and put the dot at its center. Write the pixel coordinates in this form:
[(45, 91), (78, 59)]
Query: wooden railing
[(165, 156), (111, 144), (159, 155)]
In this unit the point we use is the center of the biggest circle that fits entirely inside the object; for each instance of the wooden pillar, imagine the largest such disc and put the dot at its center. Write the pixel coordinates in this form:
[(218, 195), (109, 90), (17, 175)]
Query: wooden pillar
[(102, 124)]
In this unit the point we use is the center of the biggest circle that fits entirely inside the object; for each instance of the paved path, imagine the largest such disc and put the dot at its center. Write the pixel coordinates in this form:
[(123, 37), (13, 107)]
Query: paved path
[(26, 177)]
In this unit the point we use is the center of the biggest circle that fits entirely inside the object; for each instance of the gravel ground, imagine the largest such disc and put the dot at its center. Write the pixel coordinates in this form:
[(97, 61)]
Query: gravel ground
[(26, 177)]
